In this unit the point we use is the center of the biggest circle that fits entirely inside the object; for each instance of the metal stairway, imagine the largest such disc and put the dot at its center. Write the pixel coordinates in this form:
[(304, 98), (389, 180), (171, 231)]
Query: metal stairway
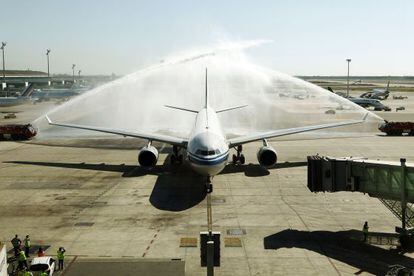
[(395, 207)]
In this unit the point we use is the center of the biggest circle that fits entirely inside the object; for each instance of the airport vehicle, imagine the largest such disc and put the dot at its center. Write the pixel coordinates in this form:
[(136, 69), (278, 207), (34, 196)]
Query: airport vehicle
[(207, 147), (397, 128), (42, 264), (17, 132), (377, 93), (10, 116), (25, 97), (399, 97)]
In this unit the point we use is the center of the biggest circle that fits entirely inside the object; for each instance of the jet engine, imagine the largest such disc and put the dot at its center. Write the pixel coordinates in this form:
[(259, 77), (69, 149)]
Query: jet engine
[(148, 156), (267, 156)]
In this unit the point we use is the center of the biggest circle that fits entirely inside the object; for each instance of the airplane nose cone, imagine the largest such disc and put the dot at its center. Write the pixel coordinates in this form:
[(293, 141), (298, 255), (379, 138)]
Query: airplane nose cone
[(205, 141)]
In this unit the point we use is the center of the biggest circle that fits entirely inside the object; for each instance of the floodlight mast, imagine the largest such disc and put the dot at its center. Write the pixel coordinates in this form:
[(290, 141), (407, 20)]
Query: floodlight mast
[(347, 79), (3, 45), (48, 71), (73, 72)]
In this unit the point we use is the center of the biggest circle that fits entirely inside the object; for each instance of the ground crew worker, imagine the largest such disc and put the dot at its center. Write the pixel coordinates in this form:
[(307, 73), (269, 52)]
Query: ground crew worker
[(27, 245), (40, 252), (61, 257), (365, 229), (22, 260), (16, 242)]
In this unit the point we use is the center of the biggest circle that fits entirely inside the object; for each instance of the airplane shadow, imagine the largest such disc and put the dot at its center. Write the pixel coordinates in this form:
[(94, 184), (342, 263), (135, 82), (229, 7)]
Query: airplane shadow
[(176, 188), (344, 246)]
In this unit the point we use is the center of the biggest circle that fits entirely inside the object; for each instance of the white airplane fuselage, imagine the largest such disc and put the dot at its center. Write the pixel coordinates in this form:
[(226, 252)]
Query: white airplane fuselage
[(13, 101), (207, 149)]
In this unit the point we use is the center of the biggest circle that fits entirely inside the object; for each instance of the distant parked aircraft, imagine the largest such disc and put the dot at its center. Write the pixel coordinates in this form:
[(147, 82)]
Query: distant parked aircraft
[(377, 93), (364, 102), (25, 97)]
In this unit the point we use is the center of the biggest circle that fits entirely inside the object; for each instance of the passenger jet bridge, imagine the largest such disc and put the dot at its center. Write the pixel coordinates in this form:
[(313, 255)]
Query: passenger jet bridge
[(391, 182)]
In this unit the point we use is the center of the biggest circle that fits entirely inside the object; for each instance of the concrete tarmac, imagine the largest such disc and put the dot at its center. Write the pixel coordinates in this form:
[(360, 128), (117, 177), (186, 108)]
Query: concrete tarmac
[(101, 207)]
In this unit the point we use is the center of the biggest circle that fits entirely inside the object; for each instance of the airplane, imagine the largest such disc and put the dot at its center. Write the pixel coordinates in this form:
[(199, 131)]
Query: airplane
[(364, 102), (207, 148), (378, 93), (25, 97), (57, 94)]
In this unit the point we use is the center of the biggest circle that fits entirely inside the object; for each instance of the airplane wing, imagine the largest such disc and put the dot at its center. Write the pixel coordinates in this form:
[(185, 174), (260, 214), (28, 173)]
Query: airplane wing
[(153, 137), (288, 131)]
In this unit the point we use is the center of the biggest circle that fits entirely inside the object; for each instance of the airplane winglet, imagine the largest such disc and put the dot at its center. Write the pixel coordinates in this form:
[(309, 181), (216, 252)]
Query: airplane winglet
[(48, 120)]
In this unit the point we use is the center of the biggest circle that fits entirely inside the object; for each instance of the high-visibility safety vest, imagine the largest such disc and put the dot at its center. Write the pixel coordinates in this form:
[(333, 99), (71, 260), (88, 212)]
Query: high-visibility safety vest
[(60, 255), (26, 242), (365, 230), (22, 256)]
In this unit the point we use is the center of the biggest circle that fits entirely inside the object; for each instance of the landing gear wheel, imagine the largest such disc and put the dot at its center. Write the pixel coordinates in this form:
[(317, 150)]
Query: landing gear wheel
[(242, 159), (176, 158), (234, 159), (173, 159), (238, 158), (209, 188)]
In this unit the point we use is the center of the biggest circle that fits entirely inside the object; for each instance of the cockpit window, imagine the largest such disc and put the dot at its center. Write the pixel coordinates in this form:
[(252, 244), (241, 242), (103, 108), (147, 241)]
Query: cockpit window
[(206, 152)]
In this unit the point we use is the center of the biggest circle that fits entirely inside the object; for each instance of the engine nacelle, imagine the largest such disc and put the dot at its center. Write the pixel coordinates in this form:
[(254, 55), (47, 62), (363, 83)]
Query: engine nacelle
[(148, 157), (267, 156)]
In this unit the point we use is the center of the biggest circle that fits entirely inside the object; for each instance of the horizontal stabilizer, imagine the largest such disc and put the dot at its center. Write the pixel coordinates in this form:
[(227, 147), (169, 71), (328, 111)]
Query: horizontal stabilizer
[(181, 108), (231, 108)]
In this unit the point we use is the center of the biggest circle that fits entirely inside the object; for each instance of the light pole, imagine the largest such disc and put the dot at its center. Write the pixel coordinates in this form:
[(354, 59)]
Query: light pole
[(347, 79), (79, 75), (48, 72), (3, 44), (73, 72)]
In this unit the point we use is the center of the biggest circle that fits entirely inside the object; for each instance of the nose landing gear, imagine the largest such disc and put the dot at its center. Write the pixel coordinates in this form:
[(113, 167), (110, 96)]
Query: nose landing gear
[(239, 158), (209, 185)]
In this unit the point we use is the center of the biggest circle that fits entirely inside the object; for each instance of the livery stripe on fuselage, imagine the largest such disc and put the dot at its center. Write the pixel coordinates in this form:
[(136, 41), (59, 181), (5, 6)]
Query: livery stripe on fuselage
[(208, 161)]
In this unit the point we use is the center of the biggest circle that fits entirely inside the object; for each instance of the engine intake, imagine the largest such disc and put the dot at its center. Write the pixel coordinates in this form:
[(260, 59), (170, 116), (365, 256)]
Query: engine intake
[(267, 156), (148, 156)]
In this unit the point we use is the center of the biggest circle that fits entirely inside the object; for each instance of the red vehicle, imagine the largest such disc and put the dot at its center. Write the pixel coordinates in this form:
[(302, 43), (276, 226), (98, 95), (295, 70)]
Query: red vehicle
[(17, 132), (397, 128)]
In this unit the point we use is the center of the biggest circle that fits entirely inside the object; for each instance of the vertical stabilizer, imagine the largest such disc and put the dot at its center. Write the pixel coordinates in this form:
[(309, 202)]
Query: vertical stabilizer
[(206, 96)]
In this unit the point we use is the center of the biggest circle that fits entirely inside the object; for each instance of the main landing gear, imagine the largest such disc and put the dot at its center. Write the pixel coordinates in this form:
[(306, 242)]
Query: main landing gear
[(176, 157), (209, 185), (238, 158)]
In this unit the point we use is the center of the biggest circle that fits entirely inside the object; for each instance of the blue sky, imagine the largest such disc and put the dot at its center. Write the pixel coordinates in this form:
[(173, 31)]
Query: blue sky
[(310, 37)]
